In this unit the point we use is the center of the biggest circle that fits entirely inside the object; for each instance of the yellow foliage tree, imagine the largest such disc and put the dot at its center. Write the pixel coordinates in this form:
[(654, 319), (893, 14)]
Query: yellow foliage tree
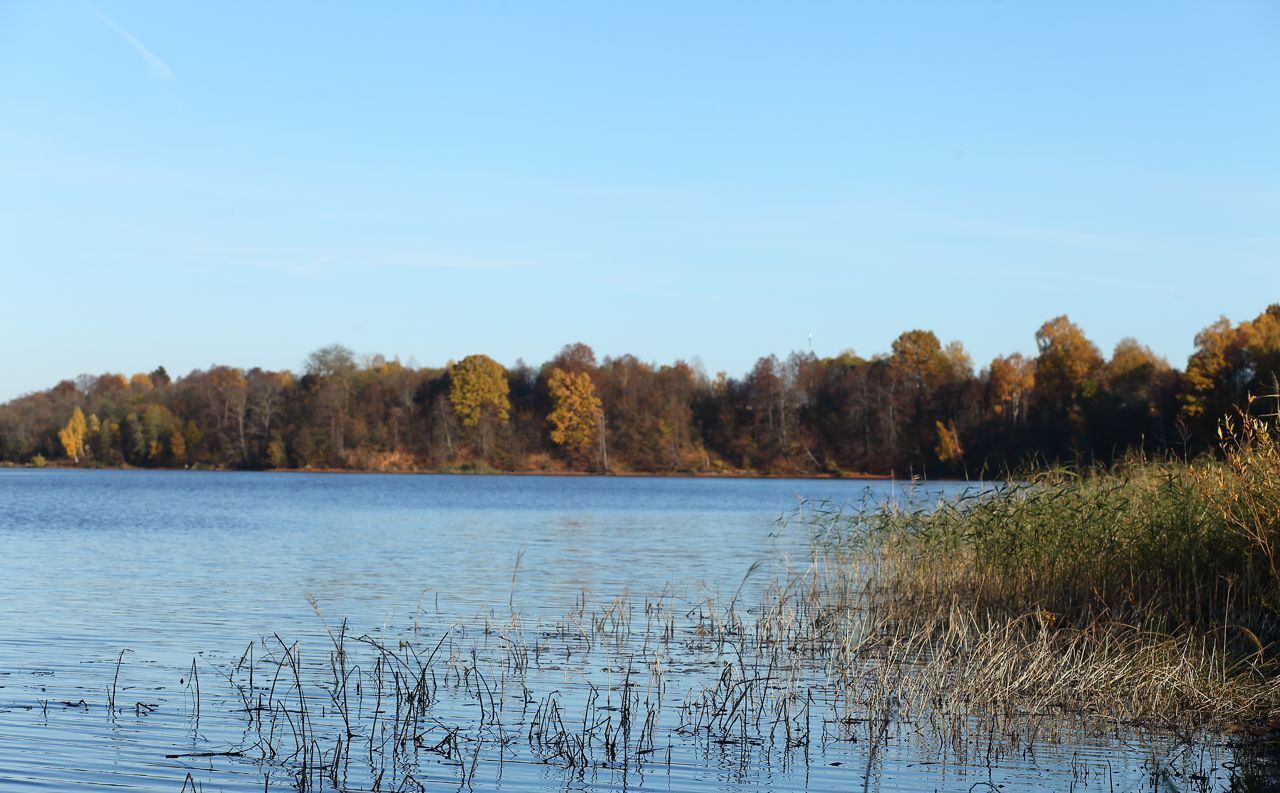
[(478, 387), (919, 359), (577, 412), (948, 448), (479, 394), (73, 435)]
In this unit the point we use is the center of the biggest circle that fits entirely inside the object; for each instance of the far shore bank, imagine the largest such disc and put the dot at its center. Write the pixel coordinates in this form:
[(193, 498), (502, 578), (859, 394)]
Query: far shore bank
[(856, 476)]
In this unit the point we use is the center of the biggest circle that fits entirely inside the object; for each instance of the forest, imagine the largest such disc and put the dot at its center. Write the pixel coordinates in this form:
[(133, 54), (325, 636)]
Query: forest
[(921, 409)]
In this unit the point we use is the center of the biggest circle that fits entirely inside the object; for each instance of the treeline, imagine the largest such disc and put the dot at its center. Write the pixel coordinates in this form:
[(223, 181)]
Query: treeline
[(919, 409)]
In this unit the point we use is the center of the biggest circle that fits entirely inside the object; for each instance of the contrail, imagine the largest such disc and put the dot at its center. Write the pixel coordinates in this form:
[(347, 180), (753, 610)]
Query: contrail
[(158, 67)]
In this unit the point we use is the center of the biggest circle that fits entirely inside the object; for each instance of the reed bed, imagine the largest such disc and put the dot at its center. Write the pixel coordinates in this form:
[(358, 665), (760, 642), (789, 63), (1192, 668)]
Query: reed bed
[(1147, 593)]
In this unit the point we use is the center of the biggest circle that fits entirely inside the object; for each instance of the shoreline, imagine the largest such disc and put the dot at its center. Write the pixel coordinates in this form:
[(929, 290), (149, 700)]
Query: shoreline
[(855, 476)]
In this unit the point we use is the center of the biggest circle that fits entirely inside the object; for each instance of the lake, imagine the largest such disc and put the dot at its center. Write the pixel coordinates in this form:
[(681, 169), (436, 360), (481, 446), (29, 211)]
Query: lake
[(115, 586)]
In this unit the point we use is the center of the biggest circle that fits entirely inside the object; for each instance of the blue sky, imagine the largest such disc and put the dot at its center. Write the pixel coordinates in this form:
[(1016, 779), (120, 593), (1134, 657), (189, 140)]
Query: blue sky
[(242, 183)]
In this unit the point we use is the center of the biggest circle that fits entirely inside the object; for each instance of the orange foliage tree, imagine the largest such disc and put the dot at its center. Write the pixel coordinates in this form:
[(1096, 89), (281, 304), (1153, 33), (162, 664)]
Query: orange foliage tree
[(577, 413)]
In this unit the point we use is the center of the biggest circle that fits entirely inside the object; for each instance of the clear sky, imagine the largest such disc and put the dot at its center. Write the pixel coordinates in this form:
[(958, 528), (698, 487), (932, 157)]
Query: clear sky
[(241, 183)]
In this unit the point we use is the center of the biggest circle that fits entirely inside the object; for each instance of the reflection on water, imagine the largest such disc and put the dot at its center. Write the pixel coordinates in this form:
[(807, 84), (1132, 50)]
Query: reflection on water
[(203, 580)]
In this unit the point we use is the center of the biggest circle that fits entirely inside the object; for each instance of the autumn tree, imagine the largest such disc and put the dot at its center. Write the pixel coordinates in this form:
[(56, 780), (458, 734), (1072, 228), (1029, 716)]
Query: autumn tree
[(649, 425), (1010, 381), (525, 437), (73, 435), (917, 367), (230, 395), (957, 363), (957, 397), (919, 359), (948, 448), (105, 384), (1068, 364), (1138, 402), (575, 358), (276, 456), (148, 437), (266, 398), (159, 377), (577, 416), (177, 446), (1262, 350), (479, 394), (386, 405), (104, 441), (678, 439), (1134, 374), (442, 430), (839, 411), (1229, 364), (331, 371), (767, 395)]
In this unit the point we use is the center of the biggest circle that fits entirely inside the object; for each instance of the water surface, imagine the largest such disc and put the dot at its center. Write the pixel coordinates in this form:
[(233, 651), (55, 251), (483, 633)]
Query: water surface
[(187, 568)]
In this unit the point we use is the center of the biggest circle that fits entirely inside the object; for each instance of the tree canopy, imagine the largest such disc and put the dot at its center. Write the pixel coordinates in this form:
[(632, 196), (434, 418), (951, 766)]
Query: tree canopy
[(577, 414), (920, 408)]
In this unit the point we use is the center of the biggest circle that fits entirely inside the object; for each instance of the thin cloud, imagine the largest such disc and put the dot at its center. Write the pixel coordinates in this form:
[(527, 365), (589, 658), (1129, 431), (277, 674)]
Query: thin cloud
[(158, 67)]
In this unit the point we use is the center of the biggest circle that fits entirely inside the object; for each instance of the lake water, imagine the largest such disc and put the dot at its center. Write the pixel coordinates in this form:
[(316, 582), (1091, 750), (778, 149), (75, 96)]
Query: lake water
[(219, 571)]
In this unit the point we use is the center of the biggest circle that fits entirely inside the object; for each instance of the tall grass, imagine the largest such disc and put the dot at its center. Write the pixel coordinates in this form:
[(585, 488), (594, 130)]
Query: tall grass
[(1159, 545), (1151, 588)]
